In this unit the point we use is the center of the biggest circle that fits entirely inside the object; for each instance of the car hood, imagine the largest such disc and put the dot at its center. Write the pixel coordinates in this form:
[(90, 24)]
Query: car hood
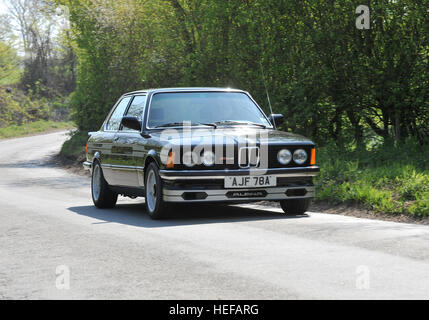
[(236, 135)]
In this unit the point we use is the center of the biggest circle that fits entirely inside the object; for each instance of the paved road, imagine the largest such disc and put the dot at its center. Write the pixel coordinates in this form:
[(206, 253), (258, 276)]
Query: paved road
[(49, 230)]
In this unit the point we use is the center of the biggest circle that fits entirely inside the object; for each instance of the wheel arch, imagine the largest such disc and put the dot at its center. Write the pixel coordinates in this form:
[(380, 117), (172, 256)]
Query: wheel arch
[(96, 158), (151, 157)]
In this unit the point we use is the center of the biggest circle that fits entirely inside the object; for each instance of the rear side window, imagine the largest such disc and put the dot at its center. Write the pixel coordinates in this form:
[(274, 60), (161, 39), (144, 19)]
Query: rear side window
[(115, 120)]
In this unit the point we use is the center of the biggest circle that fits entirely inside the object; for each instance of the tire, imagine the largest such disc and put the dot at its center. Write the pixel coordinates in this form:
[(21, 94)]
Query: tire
[(102, 196), (155, 205), (295, 207)]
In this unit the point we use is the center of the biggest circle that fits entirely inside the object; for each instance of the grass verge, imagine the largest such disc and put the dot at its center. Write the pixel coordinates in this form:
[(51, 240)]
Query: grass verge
[(389, 180), (72, 153), (40, 126), (74, 148)]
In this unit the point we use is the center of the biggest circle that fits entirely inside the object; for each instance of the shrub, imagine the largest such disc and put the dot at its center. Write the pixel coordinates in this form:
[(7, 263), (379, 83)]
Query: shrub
[(74, 148)]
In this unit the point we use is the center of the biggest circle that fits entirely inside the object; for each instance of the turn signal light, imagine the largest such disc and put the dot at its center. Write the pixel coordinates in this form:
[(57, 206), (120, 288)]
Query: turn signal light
[(170, 161), (313, 157), (86, 148)]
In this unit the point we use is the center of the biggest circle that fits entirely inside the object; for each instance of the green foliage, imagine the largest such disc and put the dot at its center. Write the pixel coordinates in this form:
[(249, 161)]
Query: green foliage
[(11, 111), (387, 179), (9, 65), (18, 108), (332, 81), (33, 128)]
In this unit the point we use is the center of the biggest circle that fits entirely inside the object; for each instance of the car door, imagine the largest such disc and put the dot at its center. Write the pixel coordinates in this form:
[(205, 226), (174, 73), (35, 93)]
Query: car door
[(109, 160), (128, 148)]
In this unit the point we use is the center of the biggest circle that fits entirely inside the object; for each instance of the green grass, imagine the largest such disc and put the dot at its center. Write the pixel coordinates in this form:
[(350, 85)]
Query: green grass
[(33, 128), (392, 180)]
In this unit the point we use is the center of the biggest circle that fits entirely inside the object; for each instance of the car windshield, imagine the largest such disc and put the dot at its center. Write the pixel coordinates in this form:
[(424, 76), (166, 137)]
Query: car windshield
[(204, 108)]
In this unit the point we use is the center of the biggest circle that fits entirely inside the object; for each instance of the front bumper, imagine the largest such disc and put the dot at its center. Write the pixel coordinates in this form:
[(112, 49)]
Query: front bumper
[(221, 174), (208, 185)]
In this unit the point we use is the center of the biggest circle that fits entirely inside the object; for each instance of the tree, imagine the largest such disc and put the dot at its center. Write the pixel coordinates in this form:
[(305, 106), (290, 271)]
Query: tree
[(48, 62), (333, 81), (9, 65)]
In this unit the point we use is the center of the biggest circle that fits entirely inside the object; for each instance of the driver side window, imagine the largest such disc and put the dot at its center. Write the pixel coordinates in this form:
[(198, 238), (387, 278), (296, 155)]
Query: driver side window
[(136, 109)]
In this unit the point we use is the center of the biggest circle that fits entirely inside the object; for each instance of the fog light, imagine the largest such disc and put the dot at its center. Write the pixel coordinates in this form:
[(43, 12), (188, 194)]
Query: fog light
[(296, 192), (194, 195)]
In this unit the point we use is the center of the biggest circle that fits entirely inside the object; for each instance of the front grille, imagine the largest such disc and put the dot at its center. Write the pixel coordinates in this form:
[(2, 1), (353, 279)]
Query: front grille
[(248, 157)]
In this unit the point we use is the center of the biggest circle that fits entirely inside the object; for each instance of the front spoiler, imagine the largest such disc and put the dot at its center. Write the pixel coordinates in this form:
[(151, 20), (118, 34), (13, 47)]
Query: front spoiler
[(179, 188), (238, 195)]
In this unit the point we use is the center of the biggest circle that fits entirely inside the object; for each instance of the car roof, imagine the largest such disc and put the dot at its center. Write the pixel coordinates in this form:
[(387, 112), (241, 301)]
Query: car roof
[(188, 89)]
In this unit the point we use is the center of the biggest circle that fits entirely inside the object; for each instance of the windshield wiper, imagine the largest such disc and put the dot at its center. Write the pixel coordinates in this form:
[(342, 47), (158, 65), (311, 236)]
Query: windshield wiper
[(182, 124), (240, 123)]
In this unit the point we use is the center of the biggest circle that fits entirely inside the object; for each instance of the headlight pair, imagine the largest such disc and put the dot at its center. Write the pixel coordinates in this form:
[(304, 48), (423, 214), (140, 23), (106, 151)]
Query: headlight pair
[(208, 158), (284, 156)]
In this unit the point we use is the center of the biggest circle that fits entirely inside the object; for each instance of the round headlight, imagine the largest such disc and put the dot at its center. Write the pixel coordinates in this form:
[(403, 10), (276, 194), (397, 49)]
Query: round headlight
[(190, 159), (300, 156), (208, 158), (284, 156)]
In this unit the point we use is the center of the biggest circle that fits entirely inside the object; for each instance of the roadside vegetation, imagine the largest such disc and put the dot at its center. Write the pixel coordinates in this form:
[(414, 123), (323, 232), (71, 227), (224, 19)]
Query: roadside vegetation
[(36, 70), (33, 128), (361, 95), (74, 148), (386, 179)]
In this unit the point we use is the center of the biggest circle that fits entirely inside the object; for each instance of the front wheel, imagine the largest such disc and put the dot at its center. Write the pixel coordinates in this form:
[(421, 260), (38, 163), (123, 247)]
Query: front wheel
[(295, 207), (155, 205), (102, 196)]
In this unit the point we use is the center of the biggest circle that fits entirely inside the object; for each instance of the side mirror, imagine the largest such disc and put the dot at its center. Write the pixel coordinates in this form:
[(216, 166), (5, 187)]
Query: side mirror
[(276, 119), (132, 123)]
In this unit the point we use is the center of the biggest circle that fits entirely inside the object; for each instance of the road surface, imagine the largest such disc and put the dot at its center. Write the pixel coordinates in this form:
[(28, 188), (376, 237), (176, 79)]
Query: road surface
[(55, 245)]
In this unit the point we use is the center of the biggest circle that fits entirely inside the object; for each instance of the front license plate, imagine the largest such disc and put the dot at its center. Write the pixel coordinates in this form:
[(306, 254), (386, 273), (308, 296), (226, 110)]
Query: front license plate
[(250, 181)]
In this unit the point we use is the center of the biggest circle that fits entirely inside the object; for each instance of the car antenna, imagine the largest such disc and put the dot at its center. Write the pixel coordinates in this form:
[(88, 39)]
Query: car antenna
[(268, 96)]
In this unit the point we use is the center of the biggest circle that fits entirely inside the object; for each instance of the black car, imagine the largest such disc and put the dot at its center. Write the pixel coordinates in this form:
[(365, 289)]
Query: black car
[(189, 145)]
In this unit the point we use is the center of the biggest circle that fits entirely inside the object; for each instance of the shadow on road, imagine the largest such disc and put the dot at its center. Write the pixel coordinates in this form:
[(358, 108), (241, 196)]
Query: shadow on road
[(46, 161), (135, 215)]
